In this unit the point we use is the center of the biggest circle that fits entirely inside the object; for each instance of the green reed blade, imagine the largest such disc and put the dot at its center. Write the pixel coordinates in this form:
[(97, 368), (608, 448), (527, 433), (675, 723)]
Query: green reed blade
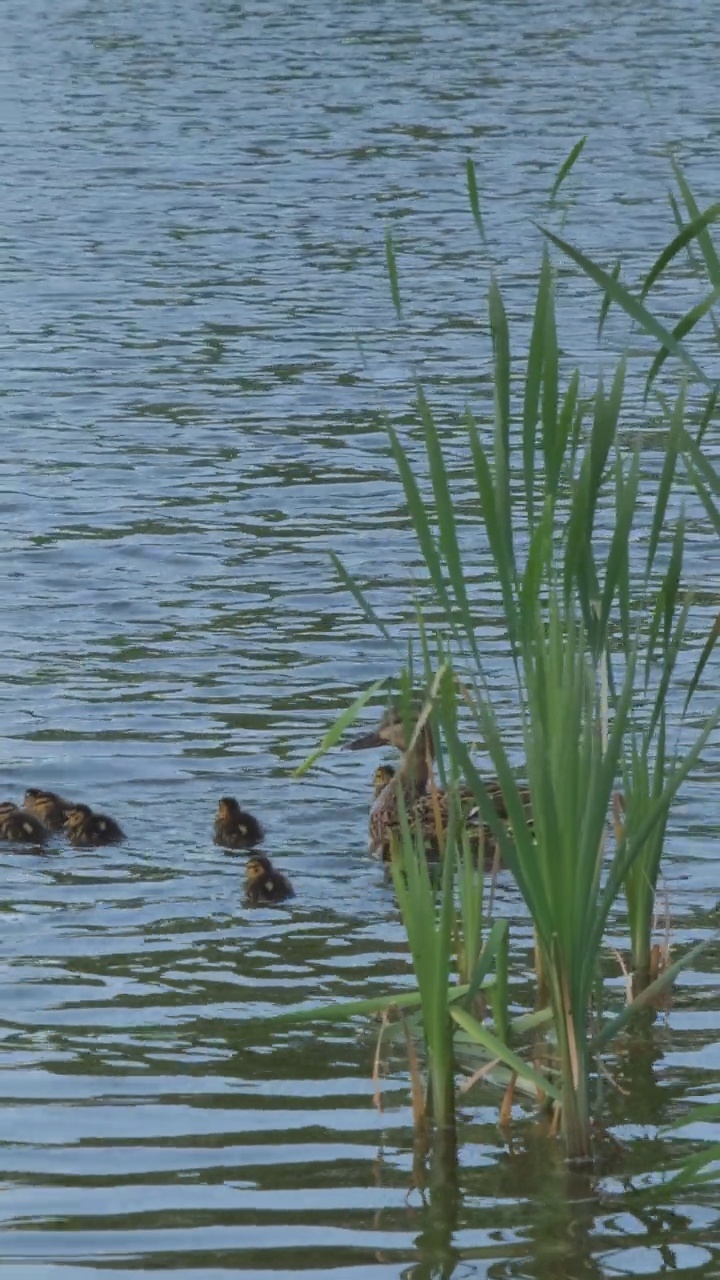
[(495, 946), (566, 166), (444, 508), (670, 656), (337, 729), (694, 262), (667, 477), (474, 197), (628, 850), (421, 523), (709, 410), (640, 791), (359, 596), (704, 239), (705, 467), (712, 511), (629, 303), (497, 1049), (492, 520), (536, 567), (646, 997), (683, 327), (402, 999), (533, 379), (690, 231), (617, 559), (550, 437), (393, 273), (502, 380), (607, 299), (702, 661), (499, 993)]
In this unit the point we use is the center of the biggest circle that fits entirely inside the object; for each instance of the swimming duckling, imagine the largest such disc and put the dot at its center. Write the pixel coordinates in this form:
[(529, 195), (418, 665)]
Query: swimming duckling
[(86, 829), (263, 884), (234, 827), (16, 824), (382, 775), (50, 808)]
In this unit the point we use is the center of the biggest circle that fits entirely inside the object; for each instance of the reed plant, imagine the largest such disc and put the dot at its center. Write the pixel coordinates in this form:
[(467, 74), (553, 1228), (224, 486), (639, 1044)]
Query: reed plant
[(593, 631)]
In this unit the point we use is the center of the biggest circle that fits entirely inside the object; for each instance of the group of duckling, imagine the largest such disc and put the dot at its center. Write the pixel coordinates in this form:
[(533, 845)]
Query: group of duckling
[(235, 828), (43, 812)]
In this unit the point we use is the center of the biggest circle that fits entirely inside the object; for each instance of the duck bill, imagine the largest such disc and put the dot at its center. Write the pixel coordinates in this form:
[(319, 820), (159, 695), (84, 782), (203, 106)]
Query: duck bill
[(368, 740)]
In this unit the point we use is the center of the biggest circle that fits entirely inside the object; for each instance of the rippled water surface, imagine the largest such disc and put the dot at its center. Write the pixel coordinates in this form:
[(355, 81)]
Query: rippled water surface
[(198, 348)]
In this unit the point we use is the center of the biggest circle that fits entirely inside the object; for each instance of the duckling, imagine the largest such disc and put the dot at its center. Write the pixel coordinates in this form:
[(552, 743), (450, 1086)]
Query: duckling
[(16, 824), (263, 884), (50, 808), (86, 829), (382, 775), (234, 827)]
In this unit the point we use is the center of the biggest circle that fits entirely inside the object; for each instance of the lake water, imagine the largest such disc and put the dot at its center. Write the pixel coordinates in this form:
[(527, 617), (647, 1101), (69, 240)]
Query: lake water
[(198, 352)]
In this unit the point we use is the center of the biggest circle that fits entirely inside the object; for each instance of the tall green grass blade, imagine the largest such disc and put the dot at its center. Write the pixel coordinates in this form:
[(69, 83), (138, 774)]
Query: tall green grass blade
[(474, 197), (607, 299), (683, 327), (551, 437), (494, 527), (629, 303), (712, 511), (689, 231), (664, 611), (336, 731), (627, 852), (702, 661), (672, 649), (667, 477), (704, 239), (494, 944), (393, 273), (359, 596), (446, 520), (566, 166), (703, 464), (646, 997), (497, 1049), (536, 568), (708, 413), (533, 380), (421, 523), (693, 261), (499, 993), (617, 560), (501, 344)]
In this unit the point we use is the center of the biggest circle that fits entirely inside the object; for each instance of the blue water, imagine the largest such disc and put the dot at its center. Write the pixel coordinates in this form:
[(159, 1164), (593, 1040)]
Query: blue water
[(198, 354)]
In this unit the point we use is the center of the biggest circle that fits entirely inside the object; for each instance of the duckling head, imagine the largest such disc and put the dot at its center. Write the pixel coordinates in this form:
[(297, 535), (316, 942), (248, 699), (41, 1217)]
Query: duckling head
[(228, 809), (257, 868), (381, 777), (77, 815)]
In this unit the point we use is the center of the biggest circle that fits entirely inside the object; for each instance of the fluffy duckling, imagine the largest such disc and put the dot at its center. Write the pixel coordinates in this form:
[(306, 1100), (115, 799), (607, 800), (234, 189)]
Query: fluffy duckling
[(16, 824), (382, 775), (234, 827), (50, 808), (263, 884), (86, 829)]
